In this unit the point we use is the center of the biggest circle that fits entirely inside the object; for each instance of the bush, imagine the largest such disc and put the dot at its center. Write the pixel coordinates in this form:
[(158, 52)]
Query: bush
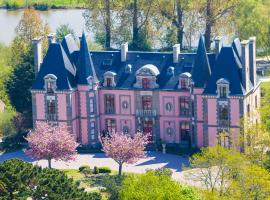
[(104, 170), (161, 171), (96, 170), (84, 167), (113, 185)]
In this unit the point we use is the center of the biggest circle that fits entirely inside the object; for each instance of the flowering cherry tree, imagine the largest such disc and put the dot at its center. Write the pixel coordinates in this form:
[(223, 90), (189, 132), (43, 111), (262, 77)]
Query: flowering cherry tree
[(51, 142), (123, 148)]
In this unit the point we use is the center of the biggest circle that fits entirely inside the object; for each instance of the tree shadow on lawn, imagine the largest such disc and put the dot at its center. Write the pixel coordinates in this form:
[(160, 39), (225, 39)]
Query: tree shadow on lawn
[(16, 154), (99, 155), (171, 161)]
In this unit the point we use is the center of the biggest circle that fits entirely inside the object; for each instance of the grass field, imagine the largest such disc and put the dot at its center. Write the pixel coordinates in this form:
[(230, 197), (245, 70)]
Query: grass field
[(49, 3)]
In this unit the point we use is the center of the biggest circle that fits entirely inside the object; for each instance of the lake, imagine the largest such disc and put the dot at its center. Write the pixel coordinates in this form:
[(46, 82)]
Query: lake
[(9, 19)]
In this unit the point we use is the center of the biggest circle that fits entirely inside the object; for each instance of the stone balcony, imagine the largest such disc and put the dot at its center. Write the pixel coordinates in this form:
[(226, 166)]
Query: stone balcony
[(223, 123), (146, 113)]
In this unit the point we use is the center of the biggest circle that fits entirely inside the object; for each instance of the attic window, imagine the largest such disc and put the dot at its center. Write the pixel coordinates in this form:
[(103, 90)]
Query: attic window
[(107, 62), (170, 71), (184, 81), (50, 83), (128, 68), (109, 79), (223, 88)]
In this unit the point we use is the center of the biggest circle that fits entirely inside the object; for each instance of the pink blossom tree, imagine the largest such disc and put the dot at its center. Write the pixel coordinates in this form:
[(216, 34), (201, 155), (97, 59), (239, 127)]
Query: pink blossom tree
[(123, 148), (51, 142)]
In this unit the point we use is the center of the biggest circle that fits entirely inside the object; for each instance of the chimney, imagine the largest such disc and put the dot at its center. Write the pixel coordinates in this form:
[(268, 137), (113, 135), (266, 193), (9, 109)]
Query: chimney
[(245, 64), (176, 53), (37, 47), (252, 60), (124, 50), (51, 38), (218, 45)]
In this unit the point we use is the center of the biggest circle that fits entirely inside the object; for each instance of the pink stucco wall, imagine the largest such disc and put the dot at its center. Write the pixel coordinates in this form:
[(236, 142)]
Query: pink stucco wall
[(235, 112), (212, 136), (200, 134), (62, 106), (40, 106), (212, 111)]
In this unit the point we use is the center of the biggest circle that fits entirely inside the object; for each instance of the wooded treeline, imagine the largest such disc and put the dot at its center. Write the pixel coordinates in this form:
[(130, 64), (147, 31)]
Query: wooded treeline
[(146, 23)]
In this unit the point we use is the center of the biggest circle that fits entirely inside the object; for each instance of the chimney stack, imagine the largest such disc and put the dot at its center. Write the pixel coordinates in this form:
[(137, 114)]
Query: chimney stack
[(124, 50), (218, 45), (245, 64), (252, 60), (51, 38), (176, 53), (37, 47)]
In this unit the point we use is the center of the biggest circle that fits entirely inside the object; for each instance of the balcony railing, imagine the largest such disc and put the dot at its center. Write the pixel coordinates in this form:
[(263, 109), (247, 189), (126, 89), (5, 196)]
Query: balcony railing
[(223, 123), (109, 111), (51, 117), (146, 113)]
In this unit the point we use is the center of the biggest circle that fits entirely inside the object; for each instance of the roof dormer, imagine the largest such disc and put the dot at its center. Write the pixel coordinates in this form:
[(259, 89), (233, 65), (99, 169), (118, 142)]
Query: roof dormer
[(146, 77), (184, 81), (109, 79)]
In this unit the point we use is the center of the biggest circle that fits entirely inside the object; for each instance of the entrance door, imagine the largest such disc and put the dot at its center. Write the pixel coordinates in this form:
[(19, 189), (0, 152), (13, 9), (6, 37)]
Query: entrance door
[(148, 128)]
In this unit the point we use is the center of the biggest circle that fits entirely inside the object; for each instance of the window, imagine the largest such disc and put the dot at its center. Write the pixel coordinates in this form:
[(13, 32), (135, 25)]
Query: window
[(50, 87), (125, 129), (111, 125), (184, 84), (223, 88), (146, 102), (168, 106), (91, 105), (92, 130), (223, 91), (145, 83), (50, 83), (184, 106), (224, 139), (109, 104), (51, 110), (169, 131), (109, 82), (184, 131), (223, 116), (124, 104), (256, 101)]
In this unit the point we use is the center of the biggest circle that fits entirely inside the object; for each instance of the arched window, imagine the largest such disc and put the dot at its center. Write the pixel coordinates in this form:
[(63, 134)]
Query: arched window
[(50, 83), (109, 79), (146, 77), (223, 88), (184, 81)]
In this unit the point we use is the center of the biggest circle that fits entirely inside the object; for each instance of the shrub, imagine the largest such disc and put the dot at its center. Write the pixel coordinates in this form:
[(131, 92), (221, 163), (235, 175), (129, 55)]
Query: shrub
[(162, 171), (96, 170), (84, 167), (105, 170)]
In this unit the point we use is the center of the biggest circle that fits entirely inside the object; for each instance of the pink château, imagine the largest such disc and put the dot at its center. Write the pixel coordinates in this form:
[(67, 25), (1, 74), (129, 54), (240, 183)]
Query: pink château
[(183, 99)]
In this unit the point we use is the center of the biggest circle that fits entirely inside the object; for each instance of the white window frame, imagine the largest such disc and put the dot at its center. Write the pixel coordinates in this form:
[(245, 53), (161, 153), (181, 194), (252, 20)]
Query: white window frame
[(50, 78), (221, 84), (91, 105)]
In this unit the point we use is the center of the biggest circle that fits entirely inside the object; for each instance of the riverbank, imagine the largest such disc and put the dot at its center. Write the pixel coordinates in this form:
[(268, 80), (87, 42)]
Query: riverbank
[(42, 4)]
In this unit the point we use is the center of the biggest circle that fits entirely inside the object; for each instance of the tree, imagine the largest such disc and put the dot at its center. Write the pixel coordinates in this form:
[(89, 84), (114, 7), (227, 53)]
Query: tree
[(31, 26), (215, 167), (255, 141), (64, 30), (123, 148), (151, 186), (22, 180), (7, 128), (252, 19), (19, 83), (216, 15), (253, 182), (51, 142)]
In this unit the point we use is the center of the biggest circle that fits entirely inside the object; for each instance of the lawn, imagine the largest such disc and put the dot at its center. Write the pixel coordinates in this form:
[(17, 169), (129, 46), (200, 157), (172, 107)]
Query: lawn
[(50, 3)]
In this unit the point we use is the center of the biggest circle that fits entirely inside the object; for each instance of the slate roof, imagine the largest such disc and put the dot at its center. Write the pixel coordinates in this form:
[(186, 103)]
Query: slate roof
[(73, 65), (56, 62)]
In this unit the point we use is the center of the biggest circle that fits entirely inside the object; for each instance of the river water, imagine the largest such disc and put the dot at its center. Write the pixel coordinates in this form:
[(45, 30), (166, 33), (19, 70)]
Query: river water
[(10, 19)]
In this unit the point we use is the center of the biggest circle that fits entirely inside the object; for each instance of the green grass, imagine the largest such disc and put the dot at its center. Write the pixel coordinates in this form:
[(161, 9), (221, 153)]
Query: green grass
[(49, 3)]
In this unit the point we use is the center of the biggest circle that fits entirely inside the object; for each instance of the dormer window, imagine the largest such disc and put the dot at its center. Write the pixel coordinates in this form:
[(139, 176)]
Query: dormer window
[(128, 68), (50, 83), (146, 77), (222, 88), (184, 81), (90, 82), (170, 71), (109, 79), (145, 83)]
